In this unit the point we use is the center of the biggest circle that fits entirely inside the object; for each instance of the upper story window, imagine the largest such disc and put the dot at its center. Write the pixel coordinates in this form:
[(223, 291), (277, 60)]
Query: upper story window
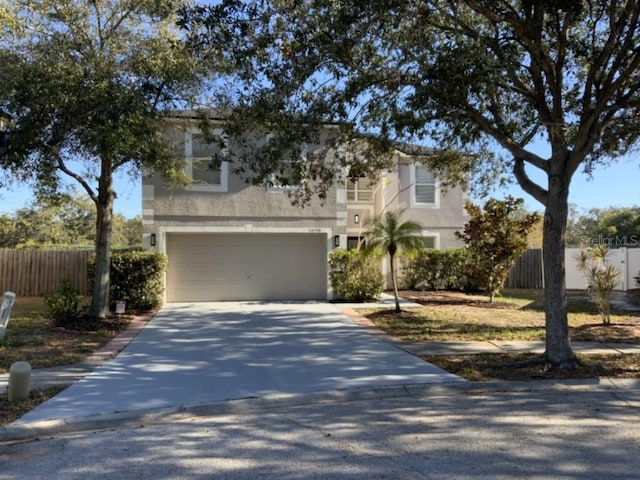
[(289, 175), (360, 188), (425, 191), (204, 160)]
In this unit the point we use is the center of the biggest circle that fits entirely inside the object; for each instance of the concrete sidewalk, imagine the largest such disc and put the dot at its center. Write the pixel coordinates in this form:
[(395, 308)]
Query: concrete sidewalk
[(510, 346), (72, 373)]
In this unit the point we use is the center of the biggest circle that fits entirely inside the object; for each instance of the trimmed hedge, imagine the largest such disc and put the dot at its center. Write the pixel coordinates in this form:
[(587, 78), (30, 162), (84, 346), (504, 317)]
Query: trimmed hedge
[(355, 276), (136, 278), (431, 269)]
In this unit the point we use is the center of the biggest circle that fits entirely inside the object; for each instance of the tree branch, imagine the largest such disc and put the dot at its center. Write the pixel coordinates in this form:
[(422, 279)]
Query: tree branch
[(78, 178), (540, 63), (528, 185), (507, 142)]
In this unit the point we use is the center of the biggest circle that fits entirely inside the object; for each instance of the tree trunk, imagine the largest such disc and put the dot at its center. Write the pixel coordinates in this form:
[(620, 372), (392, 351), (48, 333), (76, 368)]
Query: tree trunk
[(559, 353), (104, 223), (395, 283)]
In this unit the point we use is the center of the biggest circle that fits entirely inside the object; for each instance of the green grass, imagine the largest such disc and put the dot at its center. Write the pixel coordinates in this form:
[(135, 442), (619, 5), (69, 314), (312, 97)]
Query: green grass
[(516, 315), (432, 324)]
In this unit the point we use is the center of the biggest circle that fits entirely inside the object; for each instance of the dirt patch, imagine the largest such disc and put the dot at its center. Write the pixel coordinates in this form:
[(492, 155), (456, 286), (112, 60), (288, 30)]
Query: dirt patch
[(11, 411), (493, 367), (428, 298)]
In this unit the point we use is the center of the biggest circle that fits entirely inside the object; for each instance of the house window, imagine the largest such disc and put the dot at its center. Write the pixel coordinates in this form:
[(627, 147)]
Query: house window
[(289, 174), (204, 161), (425, 190), (354, 243), (430, 241), (359, 188)]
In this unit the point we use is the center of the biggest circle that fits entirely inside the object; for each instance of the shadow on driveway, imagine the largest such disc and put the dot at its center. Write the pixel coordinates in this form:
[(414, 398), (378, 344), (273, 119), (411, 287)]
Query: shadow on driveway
[(210, 352)]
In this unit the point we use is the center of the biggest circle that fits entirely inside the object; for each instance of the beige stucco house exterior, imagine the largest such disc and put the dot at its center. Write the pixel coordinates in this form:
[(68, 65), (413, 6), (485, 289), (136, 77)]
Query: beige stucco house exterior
[(227, 240)]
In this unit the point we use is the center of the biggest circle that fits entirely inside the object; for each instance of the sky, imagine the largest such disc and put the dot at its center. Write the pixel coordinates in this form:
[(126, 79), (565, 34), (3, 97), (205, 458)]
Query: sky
[(128, 201), (613, 185)]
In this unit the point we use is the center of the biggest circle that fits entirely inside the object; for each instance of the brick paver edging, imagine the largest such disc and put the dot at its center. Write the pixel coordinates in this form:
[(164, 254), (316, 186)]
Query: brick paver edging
[(118, 343)]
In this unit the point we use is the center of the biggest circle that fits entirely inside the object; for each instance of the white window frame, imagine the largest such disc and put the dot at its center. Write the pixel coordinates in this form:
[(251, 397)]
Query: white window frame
[(357, 190), (434, 235), (414, 202), (223, 186)]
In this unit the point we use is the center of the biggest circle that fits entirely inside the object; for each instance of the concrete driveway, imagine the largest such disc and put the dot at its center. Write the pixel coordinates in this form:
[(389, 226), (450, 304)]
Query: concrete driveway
[(209, 352)]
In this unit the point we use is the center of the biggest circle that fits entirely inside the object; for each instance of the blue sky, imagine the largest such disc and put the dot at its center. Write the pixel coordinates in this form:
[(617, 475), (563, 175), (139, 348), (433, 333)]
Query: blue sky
[(614, 185), (617, 185), (128, 202)]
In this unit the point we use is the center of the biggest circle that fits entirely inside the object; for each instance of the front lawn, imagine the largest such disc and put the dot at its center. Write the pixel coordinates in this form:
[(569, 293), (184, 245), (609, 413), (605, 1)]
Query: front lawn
[(32, 337), (517, 315)]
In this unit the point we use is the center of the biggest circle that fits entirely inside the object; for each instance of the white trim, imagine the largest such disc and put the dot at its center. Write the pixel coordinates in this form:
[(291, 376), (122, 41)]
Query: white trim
[(188, 163), (341, 218), (240, 229), (412, 182), (147, 216)]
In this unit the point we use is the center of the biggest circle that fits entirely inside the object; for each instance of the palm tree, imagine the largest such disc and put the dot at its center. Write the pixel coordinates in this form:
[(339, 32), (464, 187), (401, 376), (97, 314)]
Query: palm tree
[(387, 233)]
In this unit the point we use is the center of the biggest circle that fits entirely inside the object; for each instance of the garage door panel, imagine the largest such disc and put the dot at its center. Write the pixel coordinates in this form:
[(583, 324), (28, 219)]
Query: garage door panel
[(217, 267)]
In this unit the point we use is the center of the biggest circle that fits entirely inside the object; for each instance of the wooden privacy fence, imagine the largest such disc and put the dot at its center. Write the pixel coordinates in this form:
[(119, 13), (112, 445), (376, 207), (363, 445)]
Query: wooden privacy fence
[(527, 272), (40, 272)]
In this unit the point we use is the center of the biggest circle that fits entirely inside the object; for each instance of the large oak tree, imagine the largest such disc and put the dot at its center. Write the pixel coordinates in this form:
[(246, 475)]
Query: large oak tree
[(84, 85), (486, 78)]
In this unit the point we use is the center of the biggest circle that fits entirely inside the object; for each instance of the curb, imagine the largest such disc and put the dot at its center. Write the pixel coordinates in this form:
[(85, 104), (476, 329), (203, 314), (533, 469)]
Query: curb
[(20, 433)]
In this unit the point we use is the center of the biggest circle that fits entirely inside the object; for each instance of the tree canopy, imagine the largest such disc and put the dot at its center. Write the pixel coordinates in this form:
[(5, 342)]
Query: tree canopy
[(613, 226), (84, 85), (65, 221), (484, 79)]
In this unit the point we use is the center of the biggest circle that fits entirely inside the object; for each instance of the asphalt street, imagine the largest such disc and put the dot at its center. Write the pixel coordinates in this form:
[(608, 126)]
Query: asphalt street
[(547, 432)]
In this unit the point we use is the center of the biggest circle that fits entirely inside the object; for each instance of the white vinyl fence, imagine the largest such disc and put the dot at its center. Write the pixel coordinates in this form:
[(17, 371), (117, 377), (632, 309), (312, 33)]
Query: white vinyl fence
[(626, 260)]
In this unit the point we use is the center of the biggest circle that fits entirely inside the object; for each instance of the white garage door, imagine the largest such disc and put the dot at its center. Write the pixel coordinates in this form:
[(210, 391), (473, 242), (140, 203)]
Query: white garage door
[(218, 267)]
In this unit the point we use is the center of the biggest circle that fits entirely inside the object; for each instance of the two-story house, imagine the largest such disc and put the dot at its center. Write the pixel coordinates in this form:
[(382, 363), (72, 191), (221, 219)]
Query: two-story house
[(228, 240)]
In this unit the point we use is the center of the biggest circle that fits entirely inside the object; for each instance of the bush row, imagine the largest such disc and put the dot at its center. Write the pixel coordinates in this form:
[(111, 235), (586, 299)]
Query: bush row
[(355, 275), (430, 269)]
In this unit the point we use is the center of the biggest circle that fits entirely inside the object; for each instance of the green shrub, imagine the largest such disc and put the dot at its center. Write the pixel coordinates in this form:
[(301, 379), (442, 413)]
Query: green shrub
[(355, 276), (602, 278), (430, 269), (64, 305), (136, 278)]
